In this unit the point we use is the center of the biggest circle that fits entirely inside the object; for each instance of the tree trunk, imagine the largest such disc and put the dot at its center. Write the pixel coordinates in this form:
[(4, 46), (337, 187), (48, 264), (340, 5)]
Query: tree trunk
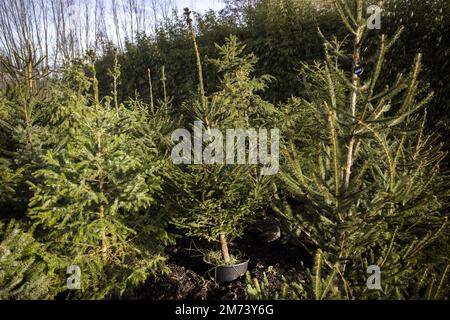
[(101, 212), (187, 13), (224, 247), (354, 97), (101, 174), (152, 105)]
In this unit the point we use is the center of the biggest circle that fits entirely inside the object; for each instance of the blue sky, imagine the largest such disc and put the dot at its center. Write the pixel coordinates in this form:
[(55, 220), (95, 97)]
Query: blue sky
[(200, 5)]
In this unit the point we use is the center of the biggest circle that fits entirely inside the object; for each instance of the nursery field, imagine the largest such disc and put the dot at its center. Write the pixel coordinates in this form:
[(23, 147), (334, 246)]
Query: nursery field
[(264, 150)]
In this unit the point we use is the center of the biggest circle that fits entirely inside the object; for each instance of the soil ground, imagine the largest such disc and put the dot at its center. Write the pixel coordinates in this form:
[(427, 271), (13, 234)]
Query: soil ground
[(188, 277)]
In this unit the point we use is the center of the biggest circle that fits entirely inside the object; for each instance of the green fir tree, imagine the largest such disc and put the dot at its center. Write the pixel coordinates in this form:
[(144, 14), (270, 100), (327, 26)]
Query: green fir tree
[(366, 173), (216, 201), (90, 200), (27, 271)]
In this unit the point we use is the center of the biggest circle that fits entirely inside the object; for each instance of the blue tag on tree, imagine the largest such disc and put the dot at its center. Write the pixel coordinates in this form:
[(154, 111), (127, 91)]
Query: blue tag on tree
[(358, 70)]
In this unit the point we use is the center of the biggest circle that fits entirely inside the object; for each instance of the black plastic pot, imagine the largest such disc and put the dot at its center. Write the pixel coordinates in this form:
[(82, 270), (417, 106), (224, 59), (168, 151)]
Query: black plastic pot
[(227, 273)]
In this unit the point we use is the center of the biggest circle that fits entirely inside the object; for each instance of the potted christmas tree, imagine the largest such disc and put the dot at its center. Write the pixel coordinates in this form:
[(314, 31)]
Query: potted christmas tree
[(215, 201)]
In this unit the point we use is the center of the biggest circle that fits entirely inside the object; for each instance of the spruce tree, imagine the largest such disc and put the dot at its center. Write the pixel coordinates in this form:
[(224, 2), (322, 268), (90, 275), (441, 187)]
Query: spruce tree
[(90, 199), (367, 174), (216, 201), (7, 181), (27, 271), (23, 137)]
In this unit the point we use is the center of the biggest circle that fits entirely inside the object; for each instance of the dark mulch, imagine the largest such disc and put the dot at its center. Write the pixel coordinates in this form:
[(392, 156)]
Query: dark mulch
[(189, 279)]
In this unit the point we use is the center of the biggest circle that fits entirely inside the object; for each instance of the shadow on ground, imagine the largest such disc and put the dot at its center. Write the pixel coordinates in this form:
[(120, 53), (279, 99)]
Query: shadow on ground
[(189, 279)]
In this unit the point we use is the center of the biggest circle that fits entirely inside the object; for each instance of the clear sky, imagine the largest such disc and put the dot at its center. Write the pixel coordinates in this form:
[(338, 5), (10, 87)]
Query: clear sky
[(200, 5)]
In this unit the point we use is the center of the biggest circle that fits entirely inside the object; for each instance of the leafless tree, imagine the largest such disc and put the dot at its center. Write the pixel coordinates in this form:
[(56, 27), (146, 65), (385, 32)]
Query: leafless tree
[(23, 40), (37, 36), (116, 23)]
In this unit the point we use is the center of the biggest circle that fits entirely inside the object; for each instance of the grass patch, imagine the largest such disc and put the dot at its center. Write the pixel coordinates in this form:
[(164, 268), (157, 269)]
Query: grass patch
[(215, 257)]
